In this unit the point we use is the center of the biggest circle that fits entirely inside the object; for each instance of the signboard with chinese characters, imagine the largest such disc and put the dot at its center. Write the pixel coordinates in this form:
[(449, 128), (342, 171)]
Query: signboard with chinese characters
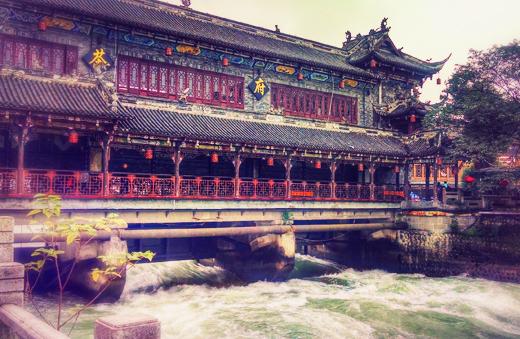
[(258, 87), (98, 59)]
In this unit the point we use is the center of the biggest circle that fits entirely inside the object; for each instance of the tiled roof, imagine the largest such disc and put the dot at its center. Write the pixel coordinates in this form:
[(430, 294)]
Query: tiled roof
[(190, 24), (377, 44), (44, 95), (212, 128), (422, 147)]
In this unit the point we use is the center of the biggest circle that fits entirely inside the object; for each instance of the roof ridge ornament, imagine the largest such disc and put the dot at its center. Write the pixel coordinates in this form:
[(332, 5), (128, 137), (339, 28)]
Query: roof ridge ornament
[(384, 25), (186, 3)]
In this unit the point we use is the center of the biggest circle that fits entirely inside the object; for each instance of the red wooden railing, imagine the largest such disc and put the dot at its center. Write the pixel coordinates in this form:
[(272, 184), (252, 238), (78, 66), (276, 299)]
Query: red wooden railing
[(76, 184)]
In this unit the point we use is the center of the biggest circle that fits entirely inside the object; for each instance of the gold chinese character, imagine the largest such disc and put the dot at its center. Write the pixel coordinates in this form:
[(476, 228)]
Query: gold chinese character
[(260, 86), (98, 58)]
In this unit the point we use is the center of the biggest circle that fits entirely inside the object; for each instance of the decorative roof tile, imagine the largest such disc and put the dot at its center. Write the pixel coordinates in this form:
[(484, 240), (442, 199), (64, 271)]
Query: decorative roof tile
[(190, 24), (45, 95), (211, 128)]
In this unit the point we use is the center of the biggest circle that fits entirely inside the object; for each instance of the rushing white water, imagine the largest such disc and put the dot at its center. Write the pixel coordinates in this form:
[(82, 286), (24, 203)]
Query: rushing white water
[(321, 300)]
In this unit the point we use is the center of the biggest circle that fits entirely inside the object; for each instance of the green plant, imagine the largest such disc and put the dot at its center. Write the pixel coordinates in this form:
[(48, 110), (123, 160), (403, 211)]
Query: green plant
[(454, 225), (61, 234)]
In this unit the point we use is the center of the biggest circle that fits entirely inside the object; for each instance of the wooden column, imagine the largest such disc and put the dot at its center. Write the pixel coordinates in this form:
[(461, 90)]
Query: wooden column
[(435, 181), (22, 140), (177, 158), (288, 167), (407, 181), (372, 172), (106, 163), (333, 179), (427, 174), (456, 175), (237, 162)]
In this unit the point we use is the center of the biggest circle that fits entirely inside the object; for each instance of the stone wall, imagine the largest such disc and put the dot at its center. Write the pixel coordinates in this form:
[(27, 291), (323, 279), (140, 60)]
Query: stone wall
[(445, 254)]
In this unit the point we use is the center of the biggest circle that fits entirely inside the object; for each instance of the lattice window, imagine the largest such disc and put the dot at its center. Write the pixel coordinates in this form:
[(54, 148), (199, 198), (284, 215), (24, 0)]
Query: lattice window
[(313, 104), (143, 77), (37, 55)]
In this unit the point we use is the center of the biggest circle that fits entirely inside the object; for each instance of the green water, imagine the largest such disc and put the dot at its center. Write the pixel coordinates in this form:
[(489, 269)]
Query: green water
[(321, 300)]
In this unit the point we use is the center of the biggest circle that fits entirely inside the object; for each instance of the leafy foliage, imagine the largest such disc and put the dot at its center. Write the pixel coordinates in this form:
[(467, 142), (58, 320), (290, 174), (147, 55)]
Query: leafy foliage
[(75, 233), (481, 105)]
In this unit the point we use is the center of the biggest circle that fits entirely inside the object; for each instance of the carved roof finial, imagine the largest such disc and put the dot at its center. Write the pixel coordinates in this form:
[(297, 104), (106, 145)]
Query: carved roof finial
[(186, 3), (348, 38), (276, 29), (384, 24)]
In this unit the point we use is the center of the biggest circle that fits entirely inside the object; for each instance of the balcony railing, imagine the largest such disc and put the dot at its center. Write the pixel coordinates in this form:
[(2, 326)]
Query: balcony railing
[(89, 185)]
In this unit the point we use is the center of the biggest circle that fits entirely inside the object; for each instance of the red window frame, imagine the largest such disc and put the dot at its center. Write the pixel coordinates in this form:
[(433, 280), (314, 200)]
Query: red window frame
[(156, 79), (38, 55), (306, 103)]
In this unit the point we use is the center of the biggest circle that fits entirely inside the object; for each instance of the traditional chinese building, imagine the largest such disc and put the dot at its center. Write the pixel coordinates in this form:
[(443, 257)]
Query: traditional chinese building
[(142, 99)]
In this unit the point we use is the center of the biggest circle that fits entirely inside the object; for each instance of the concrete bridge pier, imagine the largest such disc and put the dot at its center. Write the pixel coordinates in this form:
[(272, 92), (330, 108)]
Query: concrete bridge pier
[(87, 258), (258, 257)]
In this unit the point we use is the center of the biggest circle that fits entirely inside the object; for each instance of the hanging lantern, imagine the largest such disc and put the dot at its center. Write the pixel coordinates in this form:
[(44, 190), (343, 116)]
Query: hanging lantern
[(413, 118), (214, 158), (73, 137), (439, 81), (148, 154), (360, 167), (225, 62), (373, 63), (317, 164), (270, 161), (469, 179), (342, 84), (503, 183), (300, 76), (42, 25), (397, 169), (125, 165), (168, 51), (438, 161)]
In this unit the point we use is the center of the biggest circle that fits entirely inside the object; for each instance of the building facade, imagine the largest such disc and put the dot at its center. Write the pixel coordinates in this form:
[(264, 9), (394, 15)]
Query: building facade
[(146, 100)]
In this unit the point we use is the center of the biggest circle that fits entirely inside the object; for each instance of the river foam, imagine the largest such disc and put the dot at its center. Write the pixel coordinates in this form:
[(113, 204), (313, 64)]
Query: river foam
[(321, 300)]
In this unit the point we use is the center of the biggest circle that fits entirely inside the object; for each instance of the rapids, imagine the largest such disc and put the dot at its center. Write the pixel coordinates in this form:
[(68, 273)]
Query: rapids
[(321, 300)]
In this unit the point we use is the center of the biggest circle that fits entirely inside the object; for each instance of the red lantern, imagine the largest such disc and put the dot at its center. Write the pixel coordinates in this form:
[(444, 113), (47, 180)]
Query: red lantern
[(73, 137), (503, 183), (317, 164), (373, 63), (469, 179), (300, 76), (342, 84), (438, 161), (360, 167), (42, 25), (168, 51), (397, 169), (148, 154), (214, 157), (225, 62), (270, 161), (413, 118), (125, 165), (439, 81)]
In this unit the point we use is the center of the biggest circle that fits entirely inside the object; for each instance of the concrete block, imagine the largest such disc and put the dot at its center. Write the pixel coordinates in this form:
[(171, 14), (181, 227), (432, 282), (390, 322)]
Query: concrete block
[(11, 270), (15, 298), (6, 253), (6, 224), (6, 237), (127, 327), (11, 285)]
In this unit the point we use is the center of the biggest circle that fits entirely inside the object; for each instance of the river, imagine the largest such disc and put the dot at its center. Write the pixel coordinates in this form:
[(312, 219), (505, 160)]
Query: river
[(321, 300)]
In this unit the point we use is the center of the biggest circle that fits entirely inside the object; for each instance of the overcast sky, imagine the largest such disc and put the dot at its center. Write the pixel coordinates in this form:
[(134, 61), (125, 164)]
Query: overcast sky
[(425, 28)]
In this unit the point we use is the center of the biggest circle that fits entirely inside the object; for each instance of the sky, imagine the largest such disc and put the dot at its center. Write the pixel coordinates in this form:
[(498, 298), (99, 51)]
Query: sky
[(425, 28)]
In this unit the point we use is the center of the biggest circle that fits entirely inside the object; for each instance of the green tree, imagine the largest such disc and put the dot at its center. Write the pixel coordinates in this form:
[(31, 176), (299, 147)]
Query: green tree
[(480, 111), (76, 233)]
